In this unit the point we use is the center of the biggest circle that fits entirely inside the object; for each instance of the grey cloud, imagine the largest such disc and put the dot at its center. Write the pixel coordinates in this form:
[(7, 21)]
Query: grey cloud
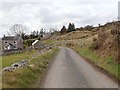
[(54, 13)]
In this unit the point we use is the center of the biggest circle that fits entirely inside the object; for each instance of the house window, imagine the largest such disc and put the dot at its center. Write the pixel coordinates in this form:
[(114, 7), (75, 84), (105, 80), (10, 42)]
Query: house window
[(5, 47), (15, 42), (14, 46)]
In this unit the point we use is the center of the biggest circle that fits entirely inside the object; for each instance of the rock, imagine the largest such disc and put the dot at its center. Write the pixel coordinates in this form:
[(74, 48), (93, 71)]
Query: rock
[(16, 65), (20, 64), (23, 63), (11, 68)]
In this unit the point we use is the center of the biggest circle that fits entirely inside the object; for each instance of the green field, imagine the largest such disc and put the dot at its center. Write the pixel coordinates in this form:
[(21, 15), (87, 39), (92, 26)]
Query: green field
[(10, 59), (48, 42), (31, 75)]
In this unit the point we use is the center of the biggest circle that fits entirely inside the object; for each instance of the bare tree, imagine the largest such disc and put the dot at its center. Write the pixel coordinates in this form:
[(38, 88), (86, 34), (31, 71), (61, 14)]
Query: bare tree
[(18, 29), (8, 33)]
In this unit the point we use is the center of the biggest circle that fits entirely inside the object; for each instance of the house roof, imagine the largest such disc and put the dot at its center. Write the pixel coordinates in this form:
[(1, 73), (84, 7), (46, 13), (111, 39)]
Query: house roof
[(10, 37)]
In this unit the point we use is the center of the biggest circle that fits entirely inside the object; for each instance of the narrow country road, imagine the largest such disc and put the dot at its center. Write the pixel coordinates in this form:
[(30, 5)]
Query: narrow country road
[(69, 70)]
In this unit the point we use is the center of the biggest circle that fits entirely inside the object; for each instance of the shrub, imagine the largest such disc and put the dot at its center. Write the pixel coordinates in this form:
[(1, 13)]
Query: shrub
[(95, 44), (101, 37)]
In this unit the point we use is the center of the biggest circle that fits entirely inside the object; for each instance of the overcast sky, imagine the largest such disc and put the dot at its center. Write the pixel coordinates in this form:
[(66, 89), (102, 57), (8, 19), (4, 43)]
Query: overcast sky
[(36, 14)]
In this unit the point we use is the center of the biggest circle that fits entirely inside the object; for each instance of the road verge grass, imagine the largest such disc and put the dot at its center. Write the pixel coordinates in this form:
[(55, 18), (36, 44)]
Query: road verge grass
[(106, 63), (28, 77)]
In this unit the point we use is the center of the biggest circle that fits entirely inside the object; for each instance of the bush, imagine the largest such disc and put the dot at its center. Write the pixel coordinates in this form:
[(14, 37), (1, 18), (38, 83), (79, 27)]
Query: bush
[(28, 42), (95, 44)]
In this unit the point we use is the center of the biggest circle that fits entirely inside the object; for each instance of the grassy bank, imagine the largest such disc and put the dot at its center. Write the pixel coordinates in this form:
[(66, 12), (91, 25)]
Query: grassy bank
[(28, 77), (107, 63)]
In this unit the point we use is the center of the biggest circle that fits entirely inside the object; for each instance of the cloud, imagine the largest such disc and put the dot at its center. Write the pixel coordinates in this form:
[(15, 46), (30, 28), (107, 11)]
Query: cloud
[(56, 13)]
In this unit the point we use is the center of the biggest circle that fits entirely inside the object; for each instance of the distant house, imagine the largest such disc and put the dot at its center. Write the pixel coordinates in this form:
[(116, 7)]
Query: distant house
[(37, 44), (12, 42), (45, 36)]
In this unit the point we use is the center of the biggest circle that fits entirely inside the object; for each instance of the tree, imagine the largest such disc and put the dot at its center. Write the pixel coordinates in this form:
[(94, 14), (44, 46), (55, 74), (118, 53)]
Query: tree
[(37, 33), (41, 31), (89, 27), (52, 30), (71, 27), (18, 29), (23, 36), (63, 30), (34, 34)]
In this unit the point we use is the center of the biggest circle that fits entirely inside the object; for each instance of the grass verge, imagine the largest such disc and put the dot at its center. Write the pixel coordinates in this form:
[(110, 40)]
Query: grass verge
[(106, 63), (28, 77)]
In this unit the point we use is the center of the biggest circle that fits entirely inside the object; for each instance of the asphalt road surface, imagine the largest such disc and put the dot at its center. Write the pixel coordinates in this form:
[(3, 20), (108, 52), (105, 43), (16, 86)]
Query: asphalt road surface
[(69, 70)]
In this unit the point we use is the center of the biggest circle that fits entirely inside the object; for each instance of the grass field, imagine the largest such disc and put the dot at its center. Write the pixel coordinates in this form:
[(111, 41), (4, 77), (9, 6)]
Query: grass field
[(10, 59), (48, 42), (107, 63), (30, 76)]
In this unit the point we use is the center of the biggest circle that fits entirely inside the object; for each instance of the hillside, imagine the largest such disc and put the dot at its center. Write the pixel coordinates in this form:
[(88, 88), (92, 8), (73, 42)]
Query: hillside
[(100, 45), (104, 35)]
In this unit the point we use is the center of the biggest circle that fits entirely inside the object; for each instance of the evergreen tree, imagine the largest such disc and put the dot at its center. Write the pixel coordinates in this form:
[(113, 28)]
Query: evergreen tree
[(41, 31), (63, 30), (71, 27)]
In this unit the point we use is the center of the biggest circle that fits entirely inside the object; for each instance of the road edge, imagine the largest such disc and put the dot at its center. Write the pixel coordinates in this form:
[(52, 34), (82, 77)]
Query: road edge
[(42, 81)]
